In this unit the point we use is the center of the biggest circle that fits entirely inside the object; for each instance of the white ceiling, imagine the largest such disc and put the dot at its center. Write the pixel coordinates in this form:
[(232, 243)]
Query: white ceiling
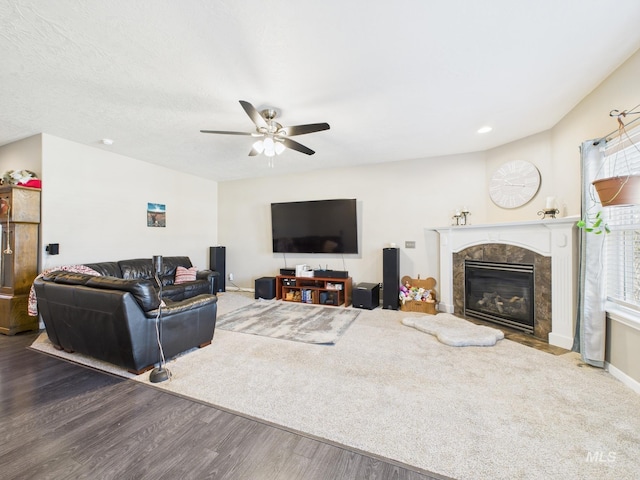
[(395, 80)]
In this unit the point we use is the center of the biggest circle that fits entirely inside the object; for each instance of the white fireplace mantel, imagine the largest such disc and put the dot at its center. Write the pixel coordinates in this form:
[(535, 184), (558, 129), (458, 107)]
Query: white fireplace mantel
[(555, 238)]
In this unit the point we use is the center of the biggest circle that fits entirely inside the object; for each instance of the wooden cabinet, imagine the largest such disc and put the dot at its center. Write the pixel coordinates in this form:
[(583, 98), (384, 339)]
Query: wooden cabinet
[(319, 291), (20, 221)]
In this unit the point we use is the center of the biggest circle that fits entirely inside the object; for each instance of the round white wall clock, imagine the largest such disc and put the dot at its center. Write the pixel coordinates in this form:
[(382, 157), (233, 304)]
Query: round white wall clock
[(514, 183)]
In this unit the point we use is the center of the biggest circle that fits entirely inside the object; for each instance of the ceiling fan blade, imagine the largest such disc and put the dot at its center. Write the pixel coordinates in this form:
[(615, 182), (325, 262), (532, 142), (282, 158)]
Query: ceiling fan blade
[(254, 114), (302, 129), (227, 133), (293, 145)]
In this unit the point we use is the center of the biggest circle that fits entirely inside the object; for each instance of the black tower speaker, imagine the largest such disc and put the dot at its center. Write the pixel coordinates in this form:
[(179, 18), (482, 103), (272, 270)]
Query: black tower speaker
[(265, 288), (390, 278), (366, 295), (217, 264)]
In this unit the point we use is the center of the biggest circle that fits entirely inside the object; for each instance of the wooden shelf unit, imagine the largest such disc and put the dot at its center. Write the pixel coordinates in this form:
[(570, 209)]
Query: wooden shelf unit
[(322, 291), (20, 236)]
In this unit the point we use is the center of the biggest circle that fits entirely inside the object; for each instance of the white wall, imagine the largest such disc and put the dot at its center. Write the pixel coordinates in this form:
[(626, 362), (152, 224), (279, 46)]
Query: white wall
[(23, 154), (94, 205), (397, 202)]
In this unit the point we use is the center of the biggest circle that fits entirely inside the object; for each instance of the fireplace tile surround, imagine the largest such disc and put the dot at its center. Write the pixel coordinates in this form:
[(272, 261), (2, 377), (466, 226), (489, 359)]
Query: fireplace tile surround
[(550, 245), (503, 253)]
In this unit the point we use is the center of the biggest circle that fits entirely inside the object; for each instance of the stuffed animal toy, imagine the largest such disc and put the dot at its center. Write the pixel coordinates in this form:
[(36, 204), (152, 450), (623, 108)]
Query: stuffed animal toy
[(13, 177)]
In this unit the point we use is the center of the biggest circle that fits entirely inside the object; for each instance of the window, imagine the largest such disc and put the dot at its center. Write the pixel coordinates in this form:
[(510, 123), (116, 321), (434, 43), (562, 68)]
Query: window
[(622, 156)]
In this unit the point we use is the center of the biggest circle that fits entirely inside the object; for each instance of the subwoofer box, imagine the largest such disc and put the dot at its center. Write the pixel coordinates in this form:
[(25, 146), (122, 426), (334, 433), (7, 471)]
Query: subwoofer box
[(265, 288), (366, 295)]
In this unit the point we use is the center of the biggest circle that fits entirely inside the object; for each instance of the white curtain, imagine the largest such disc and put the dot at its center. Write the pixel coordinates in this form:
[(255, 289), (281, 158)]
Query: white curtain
[(591, 321)]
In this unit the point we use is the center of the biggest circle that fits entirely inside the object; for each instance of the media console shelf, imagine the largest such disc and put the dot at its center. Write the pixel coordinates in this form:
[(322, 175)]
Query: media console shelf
[(317, 290)]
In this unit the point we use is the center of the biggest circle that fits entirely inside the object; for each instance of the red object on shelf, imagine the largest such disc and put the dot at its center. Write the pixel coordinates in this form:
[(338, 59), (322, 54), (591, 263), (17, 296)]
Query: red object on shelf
[(32, 183)]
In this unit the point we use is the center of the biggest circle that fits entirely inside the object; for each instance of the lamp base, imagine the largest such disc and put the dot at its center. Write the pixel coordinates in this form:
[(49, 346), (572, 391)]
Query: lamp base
[(158, 375)]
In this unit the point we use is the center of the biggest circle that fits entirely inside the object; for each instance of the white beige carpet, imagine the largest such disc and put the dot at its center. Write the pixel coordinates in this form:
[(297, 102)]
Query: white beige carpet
[(504, 412)]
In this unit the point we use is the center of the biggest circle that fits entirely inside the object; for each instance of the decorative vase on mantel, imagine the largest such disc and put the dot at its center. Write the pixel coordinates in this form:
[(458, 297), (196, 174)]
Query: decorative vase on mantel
[(623, 190)]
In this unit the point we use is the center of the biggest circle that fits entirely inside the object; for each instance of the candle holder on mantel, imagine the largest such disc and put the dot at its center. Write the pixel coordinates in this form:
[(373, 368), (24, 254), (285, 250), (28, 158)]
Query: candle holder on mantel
[(460, 217), (550, 212), (550, 209)]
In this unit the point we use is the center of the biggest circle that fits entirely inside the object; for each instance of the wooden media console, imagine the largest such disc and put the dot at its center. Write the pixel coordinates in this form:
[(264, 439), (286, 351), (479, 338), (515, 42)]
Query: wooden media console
[(316, 290)]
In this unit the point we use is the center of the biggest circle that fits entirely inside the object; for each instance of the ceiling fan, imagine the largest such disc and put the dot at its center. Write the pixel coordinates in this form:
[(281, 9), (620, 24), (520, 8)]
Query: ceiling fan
[(273, 137)]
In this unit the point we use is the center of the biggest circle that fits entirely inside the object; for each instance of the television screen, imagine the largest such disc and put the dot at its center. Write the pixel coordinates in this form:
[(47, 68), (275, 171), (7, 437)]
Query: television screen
[(317, 226)]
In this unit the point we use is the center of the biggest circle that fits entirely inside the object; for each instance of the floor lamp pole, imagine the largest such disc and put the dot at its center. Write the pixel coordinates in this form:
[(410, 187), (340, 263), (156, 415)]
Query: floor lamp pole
[(159, 373)]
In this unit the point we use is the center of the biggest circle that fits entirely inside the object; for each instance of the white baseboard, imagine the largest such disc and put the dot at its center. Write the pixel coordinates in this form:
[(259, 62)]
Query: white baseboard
[(623, 377), (239, 289), (443, 307), (560, 341)]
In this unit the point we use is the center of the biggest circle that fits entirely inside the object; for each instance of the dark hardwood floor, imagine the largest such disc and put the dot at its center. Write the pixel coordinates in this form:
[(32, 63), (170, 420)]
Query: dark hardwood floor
[(59, 420)]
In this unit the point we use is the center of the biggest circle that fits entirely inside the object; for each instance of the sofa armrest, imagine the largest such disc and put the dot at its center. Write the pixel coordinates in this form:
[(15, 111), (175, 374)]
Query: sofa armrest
[(173, 308), (210, 276)]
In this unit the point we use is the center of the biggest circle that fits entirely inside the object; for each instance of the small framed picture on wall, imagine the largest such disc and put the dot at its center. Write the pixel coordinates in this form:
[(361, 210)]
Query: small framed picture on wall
[(156, 215)]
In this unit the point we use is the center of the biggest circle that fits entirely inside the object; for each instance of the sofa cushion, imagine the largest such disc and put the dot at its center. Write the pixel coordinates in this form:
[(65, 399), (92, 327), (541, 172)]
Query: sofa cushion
[(69, 278), (137, 268), (110, 269), (144, 268), (142, 290), (173, 293), (185, 274), (170, 266)]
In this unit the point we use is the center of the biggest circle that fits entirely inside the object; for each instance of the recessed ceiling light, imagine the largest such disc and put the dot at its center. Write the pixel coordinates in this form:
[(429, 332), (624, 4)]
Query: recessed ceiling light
[(107, 141), (486, 129)]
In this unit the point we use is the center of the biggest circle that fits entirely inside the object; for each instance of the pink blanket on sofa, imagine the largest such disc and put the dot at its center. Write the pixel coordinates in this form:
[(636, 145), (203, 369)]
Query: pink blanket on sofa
[(33, 302)]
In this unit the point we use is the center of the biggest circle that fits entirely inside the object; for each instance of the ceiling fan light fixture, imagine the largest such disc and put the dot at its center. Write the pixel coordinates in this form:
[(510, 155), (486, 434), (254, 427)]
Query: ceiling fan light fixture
[(275, 137), (269, 147), (259, 146)]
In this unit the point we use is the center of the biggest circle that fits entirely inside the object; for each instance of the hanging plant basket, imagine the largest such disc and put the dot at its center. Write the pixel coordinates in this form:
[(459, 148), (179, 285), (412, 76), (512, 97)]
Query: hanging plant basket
[(623, 190)]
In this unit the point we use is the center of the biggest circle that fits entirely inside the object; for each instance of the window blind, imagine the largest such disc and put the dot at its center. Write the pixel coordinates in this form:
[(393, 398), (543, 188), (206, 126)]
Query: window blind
[(622, 245)]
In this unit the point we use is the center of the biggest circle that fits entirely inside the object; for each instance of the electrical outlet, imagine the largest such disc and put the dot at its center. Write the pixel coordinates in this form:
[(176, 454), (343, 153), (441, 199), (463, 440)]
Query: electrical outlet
[(230, 276), (410, 244)]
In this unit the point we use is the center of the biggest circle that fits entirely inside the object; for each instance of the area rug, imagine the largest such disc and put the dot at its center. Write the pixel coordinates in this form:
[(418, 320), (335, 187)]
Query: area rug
[(504, 412), (290, 321), (455, 331)]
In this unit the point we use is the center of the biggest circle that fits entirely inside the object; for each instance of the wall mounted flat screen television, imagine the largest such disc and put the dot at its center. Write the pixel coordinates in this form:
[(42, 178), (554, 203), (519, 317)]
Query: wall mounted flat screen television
[(316, 226)]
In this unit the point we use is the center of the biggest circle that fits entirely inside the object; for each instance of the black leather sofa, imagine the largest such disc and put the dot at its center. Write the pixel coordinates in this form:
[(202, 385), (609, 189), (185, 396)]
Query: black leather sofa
[(142, 268), (112, 317)]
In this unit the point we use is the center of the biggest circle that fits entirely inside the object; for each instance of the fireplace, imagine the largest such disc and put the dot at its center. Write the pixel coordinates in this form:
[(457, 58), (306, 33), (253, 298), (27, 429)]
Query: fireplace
[(500, 292), (550, 245)]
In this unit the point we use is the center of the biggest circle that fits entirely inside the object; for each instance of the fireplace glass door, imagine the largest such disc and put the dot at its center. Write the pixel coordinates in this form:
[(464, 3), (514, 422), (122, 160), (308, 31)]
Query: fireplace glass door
[(500, 292)]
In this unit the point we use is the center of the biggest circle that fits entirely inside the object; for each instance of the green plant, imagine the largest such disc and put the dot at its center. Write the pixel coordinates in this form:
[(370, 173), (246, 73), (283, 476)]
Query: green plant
[(599, 226)]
